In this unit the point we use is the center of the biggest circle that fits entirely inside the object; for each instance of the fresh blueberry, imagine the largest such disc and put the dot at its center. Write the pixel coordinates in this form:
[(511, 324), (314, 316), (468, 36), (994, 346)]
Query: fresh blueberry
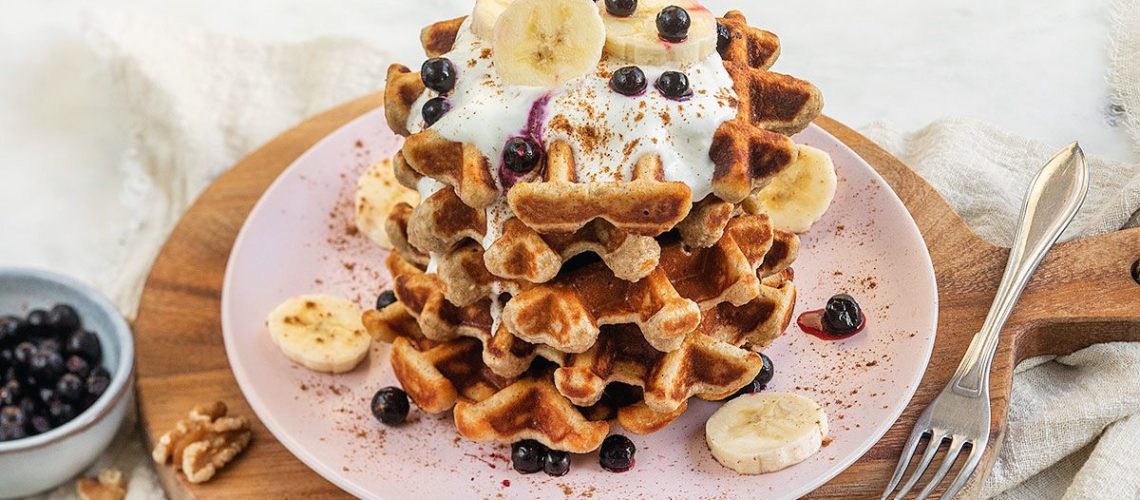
[(23, 353), (10, 393), (434, 109), (46, 394), (39, 424), (629, 81), (521, 154), (616, 454), (386, 298), (46, 366), (13, 415), (78, 366), (7, 357), (37, 322), (762, 378), (29, 406), (86, 345), (723, 38), (673, 24), (438, 74), (10, 327), (674, 85), (390, 406), (621, 395), (527, 456), (49, 344), (69, 387), (63, 319), (556, 463), (60, 412), (842, 316), (98, 381), (11, 432), (621, 8)]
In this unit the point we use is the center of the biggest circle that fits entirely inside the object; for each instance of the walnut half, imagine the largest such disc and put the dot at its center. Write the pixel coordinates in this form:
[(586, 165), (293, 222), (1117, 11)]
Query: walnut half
[(204, 442), (109, 486)]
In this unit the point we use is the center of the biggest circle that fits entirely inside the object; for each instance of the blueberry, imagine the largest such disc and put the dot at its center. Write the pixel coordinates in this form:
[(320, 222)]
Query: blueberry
[(521, 154), (29, 405), (60, 412), (621, 8), (98, 381), (13, 415), (7, 357), (63, 319), (762, 378), (46, 394), (674, 85), (527, 456), (46, 366), (616, 454), (39, 424), (621, 395), (36, 323), (49, 344), (11, 432), (23, 353), (69, 387), (556, 463), (434, 109), (78, 366), (842, 316), (723, 38), (629, 81), (390, 406), (673, 24), (10, 393), (386, 298), (438, 74), (10, 327), (86, 345)]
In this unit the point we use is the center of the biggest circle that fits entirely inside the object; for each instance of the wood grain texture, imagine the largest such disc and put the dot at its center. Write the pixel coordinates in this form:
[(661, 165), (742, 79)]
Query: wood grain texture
[(1083, 294)]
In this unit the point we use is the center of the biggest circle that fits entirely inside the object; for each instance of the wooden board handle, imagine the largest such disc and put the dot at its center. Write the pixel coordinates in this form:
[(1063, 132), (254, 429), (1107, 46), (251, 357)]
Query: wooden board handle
[(1083, 294)]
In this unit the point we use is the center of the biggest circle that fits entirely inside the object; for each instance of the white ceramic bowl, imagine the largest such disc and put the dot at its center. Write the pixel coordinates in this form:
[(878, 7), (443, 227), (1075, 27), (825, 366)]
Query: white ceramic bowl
[(37, 463)]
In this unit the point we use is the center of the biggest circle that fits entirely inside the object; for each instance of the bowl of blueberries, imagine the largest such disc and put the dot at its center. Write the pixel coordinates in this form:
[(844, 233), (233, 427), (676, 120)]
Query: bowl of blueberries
[(66, 371)]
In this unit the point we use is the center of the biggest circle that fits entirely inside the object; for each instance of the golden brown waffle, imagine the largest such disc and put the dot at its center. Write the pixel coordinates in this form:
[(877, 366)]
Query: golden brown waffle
[(566, 313), (530, 409), (396, 226), (439, 38), (645, 205), (460, 166), (442, 221), (400, 93)]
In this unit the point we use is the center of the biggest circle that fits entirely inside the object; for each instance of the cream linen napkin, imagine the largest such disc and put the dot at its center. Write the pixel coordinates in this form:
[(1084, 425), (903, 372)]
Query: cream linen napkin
[(199, 101)]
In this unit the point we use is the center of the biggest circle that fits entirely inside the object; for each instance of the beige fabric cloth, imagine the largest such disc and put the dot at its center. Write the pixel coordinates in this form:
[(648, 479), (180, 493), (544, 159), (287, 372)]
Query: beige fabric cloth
[(199, 101)]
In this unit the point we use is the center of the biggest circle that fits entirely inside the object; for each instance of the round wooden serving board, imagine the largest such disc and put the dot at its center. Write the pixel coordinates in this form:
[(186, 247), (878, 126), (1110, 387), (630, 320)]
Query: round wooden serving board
[(1083, 294)]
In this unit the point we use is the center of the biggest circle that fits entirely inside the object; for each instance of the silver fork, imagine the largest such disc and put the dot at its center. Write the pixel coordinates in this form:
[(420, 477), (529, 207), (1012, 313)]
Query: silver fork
[(961, 411)]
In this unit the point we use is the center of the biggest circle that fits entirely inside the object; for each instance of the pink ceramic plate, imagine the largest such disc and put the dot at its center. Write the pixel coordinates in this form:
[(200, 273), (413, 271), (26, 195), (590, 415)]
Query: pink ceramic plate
[(299, 239)]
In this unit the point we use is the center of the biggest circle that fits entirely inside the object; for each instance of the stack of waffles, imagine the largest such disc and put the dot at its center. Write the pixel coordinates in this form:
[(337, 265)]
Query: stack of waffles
[(521, 304)]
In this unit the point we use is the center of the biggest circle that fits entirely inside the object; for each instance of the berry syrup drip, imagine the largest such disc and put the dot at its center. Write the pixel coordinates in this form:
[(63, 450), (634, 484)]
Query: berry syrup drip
[(533, 132), (841, 318)]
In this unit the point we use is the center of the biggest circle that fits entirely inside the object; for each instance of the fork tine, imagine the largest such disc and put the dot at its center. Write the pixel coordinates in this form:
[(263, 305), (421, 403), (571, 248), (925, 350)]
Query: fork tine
[(951, 455), (904, 461), (977, 448), (927, 457)]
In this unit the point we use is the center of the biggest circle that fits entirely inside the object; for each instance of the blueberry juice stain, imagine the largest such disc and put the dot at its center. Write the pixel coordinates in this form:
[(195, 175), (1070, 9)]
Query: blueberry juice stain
[(841, 318)]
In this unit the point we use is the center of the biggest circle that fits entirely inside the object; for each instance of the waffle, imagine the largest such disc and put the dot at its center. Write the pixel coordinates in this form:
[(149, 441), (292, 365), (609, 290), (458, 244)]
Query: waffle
[(396, 226), (752, 148), (400, 93), (438, 38)]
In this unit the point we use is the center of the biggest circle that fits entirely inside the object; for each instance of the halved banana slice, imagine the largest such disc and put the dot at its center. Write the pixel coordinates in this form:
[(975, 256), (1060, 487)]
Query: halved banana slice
[(800, 195), (485, 14), (320, 332), (635, 38), (377, 191), (765, 432), (544, 43)]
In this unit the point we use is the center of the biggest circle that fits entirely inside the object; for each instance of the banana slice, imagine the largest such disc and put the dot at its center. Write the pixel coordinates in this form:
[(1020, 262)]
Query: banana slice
[(765, 432), (800, 195), (635, 38), (377, 191), (544, 43), (320, 332), (484, 16)]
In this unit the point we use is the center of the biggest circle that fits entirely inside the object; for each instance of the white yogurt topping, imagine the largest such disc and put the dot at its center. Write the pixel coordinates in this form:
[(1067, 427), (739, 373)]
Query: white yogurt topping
[(607, 131)]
